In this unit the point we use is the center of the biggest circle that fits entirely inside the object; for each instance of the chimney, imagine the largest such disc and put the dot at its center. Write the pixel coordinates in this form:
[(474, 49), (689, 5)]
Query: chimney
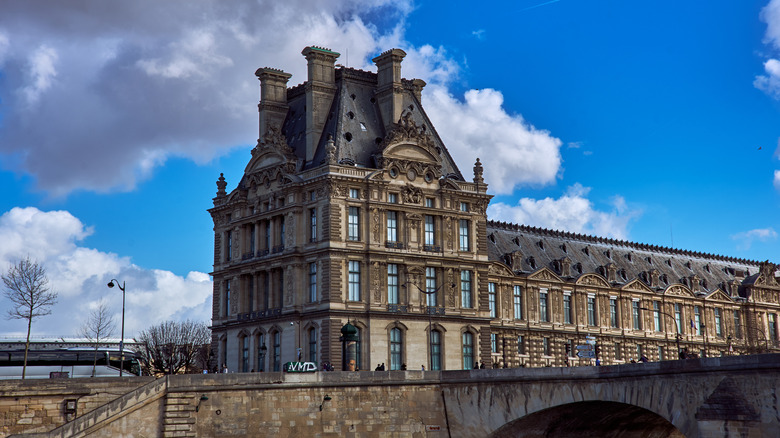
[(273, 97), (320, 90), (388, 90)]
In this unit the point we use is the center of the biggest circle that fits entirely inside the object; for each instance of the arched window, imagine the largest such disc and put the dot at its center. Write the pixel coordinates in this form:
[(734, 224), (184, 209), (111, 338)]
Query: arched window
[(396, 349), (312, 345), (277, 351), (468, 351), (435, 350), (261, 351)]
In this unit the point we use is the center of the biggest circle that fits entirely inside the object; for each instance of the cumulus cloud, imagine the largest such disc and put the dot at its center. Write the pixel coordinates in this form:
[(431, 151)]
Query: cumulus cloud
[(572, 212), (129, 84), (746, 238), (769, 82), (513, 152), (80, 275)]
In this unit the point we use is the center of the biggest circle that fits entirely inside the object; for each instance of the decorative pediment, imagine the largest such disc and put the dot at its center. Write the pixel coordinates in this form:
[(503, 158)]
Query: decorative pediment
[(637, 285), (499, 269), (411, 194), (766, 275), (546, 275), (272, 150), (448, 183), (592, 280), (406, 132), (680, 290), (718, 295)]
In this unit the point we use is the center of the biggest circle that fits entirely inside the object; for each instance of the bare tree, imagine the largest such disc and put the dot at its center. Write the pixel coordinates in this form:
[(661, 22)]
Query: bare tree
[(173, 347), (27, 286), (98, 327)]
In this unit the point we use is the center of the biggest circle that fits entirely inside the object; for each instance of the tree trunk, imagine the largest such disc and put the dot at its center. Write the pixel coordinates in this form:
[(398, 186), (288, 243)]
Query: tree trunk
[(27, 345)]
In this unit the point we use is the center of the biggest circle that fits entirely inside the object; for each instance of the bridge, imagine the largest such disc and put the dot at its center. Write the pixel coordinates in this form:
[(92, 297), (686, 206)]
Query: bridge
[(714, 397)]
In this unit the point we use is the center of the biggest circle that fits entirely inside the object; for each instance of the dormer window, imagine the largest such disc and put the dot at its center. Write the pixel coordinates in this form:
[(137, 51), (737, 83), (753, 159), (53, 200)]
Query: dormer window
[(532, 262)]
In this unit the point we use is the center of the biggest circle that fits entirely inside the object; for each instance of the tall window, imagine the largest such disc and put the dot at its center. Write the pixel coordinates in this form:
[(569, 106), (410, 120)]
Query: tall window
[(312, 345), (464, 206), (245, 354), (718, 323), (267, 236), (678, 317), (280, 238), (229, 245), (468, 351), (358, 348), (520, 345), (353, 223), (430, 286), (737, 325), (591, 310), (697, 320), (354, 193), (312, 225), (492, 299), (635, 315), (392, 198), (435, 350), (392, 226), (429, 230), (544, 315), (260, 352), (493, 346), (613, 313), (546, 346), (429, 202), (772, 323), (252, 233), (392, 283), (518, 300), (465, 289), (396, 349), (227, 297), (312, 282), (277, 351), (657, 315), (567, 307), (250, 289), (463, 234), (354, 280)]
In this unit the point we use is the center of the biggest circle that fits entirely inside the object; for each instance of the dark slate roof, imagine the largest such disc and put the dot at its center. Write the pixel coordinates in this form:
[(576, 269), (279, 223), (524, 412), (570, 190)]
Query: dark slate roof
[(589, 254), (354, 122)]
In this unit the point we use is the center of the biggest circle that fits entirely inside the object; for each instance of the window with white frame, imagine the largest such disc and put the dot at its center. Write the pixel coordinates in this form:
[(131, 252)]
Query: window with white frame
[(463, 235), (493, 346), (468, 351), (613, 312), (517, 295), (492, 299), (635, 315), (718, 323), (430, 286), (464, 206), (678, 317), (354, 280), (591, 309), (392, 226), (544, 311), (312, 224), (353, 223), (567, 308), (697, 320), (465, 289), (354, 193), (657, 315), (392, 283), (430, 229)]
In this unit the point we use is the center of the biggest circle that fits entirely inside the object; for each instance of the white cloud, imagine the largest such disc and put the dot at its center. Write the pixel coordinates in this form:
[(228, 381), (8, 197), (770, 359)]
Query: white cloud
[(572, 212), (777, 179), (80, 275), (126, 83), (513, 152), (770, 81), (746, 238)]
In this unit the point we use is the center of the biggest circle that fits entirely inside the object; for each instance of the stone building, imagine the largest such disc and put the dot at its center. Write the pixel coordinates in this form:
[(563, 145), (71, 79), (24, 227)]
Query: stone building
[(352, 215)]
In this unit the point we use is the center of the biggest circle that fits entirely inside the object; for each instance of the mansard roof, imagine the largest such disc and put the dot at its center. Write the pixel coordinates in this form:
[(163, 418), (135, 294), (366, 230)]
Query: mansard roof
[(527, 249), (354, 122)]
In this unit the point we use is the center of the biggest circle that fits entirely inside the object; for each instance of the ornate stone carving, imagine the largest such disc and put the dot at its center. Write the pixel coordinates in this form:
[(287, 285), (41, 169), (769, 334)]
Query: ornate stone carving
[(411, 194), (221, 184), (375, 283), (514, 260), (288, 282), (766, 275), (289, 231), (448, 231), (450, 290), (478, 172), (375, 217), (406, 130)]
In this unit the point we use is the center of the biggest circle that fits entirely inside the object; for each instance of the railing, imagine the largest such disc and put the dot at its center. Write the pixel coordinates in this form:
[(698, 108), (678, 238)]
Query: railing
[(396, 245), (397, 308), (259, 314), (431, 248), (262, 253), (433, 310), (277, 249), (247, 256)]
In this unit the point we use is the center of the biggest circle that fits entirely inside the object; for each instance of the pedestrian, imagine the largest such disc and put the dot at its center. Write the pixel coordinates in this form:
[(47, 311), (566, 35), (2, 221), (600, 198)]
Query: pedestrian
[(224, 368), (643, 359), (382, 368), (403, 367), (378, 367), (476, 365), (423, 367), (482, 364), (598, 363)]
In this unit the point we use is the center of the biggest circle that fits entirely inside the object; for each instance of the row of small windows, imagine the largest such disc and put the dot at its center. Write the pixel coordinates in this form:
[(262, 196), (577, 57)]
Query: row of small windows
[(392, 227)]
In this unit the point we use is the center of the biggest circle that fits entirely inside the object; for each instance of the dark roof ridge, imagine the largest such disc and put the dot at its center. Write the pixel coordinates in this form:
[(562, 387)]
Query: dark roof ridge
[(296, 90), (606, 240), (355, 73)]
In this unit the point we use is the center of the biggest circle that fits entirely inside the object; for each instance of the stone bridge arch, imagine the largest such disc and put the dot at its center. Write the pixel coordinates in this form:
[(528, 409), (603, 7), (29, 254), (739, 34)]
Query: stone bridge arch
[(597, 418)]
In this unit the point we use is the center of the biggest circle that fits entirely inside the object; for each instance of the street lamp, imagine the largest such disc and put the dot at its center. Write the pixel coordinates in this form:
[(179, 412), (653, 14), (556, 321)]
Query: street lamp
[(428, 308), (122, 340), (677, 334)]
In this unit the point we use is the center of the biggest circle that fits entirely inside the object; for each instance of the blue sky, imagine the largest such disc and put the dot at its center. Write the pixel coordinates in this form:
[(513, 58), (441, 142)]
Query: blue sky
[(656, 122)]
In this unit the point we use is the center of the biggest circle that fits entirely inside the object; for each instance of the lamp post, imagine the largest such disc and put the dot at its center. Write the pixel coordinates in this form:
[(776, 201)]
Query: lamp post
[(677, 334), (122, 340), (428, 309)]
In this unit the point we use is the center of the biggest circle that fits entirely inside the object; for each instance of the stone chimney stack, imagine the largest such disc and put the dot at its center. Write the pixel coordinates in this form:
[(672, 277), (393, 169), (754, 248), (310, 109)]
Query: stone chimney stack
[(273, 97), (320, 90), (388, 90)]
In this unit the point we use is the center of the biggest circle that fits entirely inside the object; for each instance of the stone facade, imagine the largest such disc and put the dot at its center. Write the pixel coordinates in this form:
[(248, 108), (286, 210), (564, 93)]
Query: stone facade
[(351, 210)]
